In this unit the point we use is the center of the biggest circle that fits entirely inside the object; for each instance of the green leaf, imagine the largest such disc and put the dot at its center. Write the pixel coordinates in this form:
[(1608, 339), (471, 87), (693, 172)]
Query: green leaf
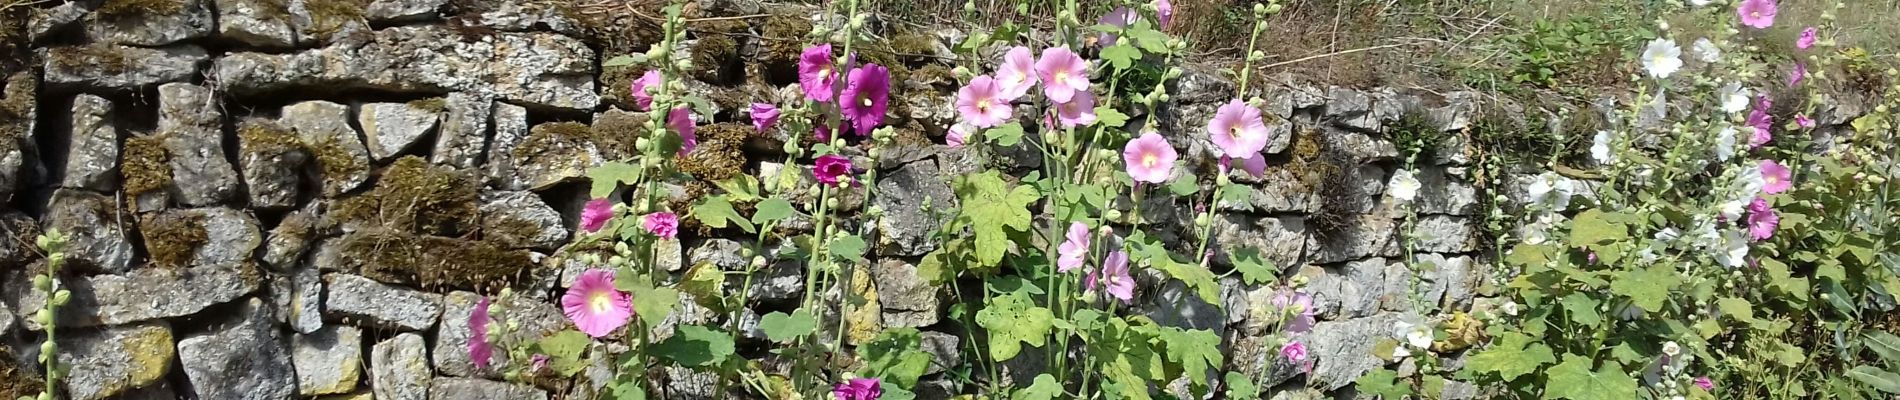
[(1647, 287), (1121, 56), (895, 356), (1150, 40), (715, 212), (1573, 380), (609, 176), (1384, 383), (1186, 185), (771, 210), (1736, 308), (1110, 117), (1253, 268), (1013, 320), (1239, 387), (566, 351), (1043, 388), (1197, 351), (1885, 344), (695, 346), (1512, 356), (1582, 309), (784, 328), (991, 210), (629, 391), (848, 247), (1881, 380), (1005, 135), (654, 304), (626, 60), (740, 188), (704, 281), (1193, 275), (1594, 228)]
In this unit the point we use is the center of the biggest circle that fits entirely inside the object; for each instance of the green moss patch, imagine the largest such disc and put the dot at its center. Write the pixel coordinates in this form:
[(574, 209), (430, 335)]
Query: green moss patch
[(721, 152), (129, 8), (145, 165), (327, 16), (434, 262), (334, 161), (432, 104), (103, 58), (614, 133), (172, 239), (783, 38), (416, 197), (14, 382)]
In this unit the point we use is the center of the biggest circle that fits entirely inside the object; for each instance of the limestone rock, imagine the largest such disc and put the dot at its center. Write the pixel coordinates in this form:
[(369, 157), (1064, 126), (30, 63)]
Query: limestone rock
[(1200, 85), (399, 369), (303, 300), (1440, 192), (19, 230), (260, 23), (201, 236), (386, 306), (392, 128), (92, 159), (908, 221), (1175, 305), (328, 361), (272, 160), (551, 154), (1342, 348), (722, 253), (386, 11), (1367, 235), (464, 132), (152, 23), (521, 220), (109, 361), (522, 16), (150, 293), (1446, 234), (188, 117), (511, 128), (240, 360), (946, 351), (782, 281), (1278, 240), (285, 244), (1453, 281), (55, 19), (1354, 289), (95, 226), (908, 300), (544, 70), (537, 319), (324, 128), (18, 115), (122, 67), (479, 389)]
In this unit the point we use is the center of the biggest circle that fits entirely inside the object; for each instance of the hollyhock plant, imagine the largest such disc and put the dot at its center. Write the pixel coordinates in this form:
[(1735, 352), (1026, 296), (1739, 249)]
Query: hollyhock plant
[(1294, 351), (958, 134), (981, 103), (1299, 307), (1255, 165), (1404, 186), (1017, 74), (1762, 123), (1758, 14), (1762, 220), (764, 116), (1734, 97), (1706, 51), (595, 307), (595, 215), (479, 350), (1119, 17), (1114, 277), (831, 169), (1063, 73), (1237, 129), (1079, 111), (642, 98), (1075, 249), (858, 389), (1800, 71), (867, 95), (817, 77), (664, 224), (1150, 158), (1806, 40), (1164, 11), (681, 120), (1704, 383), (1662, 58), (1803, 121), (1775, 178), (1725, 143)]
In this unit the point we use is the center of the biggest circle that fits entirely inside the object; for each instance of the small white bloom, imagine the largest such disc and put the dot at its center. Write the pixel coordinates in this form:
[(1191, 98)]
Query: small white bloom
[(1698, 3), (1734, 250), (1400, 352), (1706, 51), (1725, 143), (1672, 349), (1550, 189), (1668, 234), (1419, 338), (1509, 308), (1658, 107), (1538, 230), (1404, 186), (1734, 97), (1661, 58), (1600, 148)]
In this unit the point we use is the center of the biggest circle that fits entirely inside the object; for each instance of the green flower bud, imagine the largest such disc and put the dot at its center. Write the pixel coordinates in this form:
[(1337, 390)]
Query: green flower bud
[(1259, 10), (1174, 72), (969, 7), (43, 283), (758, 262), (833, 202), (1112, 215), (47, 347), (60, 298)]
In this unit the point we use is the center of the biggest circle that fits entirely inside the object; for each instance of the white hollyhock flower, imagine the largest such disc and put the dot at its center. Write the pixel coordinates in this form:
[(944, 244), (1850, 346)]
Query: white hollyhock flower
[(1734, 250), (1706, 51), (1698, 3), (1404, 186), (1419, 338), (1600, 148), (1661, 58), (1725, 143), (1734, 97), (1550, 189), (1672, 349), (1538, 230), (1509, 308)]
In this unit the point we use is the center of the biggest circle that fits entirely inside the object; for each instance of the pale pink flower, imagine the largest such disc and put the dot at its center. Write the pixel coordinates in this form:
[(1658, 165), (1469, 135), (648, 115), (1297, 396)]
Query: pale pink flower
[(1294, 351), (1150, 158), (1704, 383), (958, 134), (1299, 307), (641, 97), (681, 120), (479, 350), (1120, 17), (764, 116), (1762, 220), (1803, 121), (817, 76), (1238, 129), (1113, 277), (1078, 111), (664, 224), (1072, 252), (595, 214), (858, 389), (1762, 123), (538, 363), (1062, 73), (1164, 11), (1800, 71), (981, 104), (595, 307), (1255, 165), (867, 96), (1775, 177), (1758, 14), (1807, 38), (1017, 74)]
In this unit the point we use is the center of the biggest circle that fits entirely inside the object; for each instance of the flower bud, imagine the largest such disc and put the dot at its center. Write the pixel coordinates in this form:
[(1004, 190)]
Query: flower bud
[(969, 7), (43, 283), (63, 296), (758, 262), (1202, 220), (1174, 72), (832, 202), (44, 317), (1112, 215), (1259, 9)]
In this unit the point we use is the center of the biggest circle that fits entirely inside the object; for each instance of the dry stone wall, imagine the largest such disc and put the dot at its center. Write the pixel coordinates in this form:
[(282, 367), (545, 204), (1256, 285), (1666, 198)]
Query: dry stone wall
[(273, 200)]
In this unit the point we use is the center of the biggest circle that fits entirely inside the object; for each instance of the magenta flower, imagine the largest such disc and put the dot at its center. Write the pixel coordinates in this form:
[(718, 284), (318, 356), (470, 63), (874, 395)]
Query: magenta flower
[(1150, 158), (830, 169), (1762, 124), (1164, 10), (1017, 74), (1803, 121), (681, 120), (1807, 39), (1073, 251), (537, 363), (764, 116), (1255, 165), (1762, 220), (1758, 14), (1237, 129), (1775, 177), (1062, 73), (664, 224), (858, 389), (958, 134), (1800, 71), (641, 97), (1114, 277), (479, 350), (595, 214), (595, 307), (816, 74), (1704, 383), (820, 131), (1120, 17), (1079, 111), (981, 103), (1294, 351), (1299, 306), (868, 92)]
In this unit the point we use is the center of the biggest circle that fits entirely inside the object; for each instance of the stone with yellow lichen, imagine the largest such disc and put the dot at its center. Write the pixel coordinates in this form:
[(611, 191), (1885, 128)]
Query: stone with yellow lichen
[(328, 361), (110, 361)]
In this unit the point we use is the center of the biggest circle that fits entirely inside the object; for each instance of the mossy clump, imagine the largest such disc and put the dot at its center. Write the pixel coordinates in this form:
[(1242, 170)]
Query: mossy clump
[(784, 37), (721, 152), (334, 161), (616, 85), (264, 137), (17, 102), (145, 165), (102, 58), (414, 196), (328, 16), (14, 382), (172, 239), (552, 139), (915, 47), (434, 262), (712, 55), (432, 104), (614, 133), (934, 75), (131, 8)]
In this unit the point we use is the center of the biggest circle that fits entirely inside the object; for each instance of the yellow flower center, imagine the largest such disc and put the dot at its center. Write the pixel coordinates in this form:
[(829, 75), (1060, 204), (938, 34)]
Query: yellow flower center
[(1148, 160), (1061, 76), (600, 303), (983, 105)]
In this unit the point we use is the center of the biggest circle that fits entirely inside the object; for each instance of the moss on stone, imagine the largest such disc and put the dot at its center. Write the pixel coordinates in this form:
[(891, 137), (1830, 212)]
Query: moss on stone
[(783, 37), (934, 74), (172, 239), (21, 89), (720, 154), (267, 137), (617, 85), (333, 160), (327, 16), (915, 46), (145, 165), (614, 133), (551, 139), (711, 55), (432, 104), (414, 196), (103, 58), (434, 262), (130, 8), (15, 382)]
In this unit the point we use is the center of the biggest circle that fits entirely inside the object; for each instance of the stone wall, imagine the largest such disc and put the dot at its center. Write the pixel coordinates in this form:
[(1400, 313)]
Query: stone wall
[(271, 200)]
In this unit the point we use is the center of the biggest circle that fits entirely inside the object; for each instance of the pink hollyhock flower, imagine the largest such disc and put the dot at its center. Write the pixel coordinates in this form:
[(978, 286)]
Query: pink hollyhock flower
[(820, 132), (1073, 251), (1164, 10), (1800, 71), (1237, 129), (1704, 383), (641, 97), (1114, 277), (858, 389), (1300, 306), (1762, 124), (1762, 220), (981, 103), (1807, 38), (1017, 74), (1150, 159), (1121, 17), (594, 306), (595, 214), (1775, 177), (664, 224), (1079, 111), (958, 134), (1062, 73), (1294, 351), (537, 363), (764, 116), (816, 74), (830, 169), (868, 92), (1758, 14), (681, 120), (479, 350), (1803, 121), (1255, 165)]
